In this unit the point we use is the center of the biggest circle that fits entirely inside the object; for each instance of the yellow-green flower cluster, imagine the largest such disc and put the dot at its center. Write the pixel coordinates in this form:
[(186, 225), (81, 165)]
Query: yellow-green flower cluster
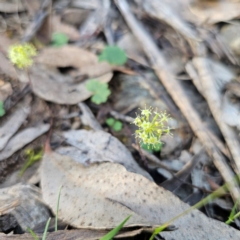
[(21, 54), (151, 126)]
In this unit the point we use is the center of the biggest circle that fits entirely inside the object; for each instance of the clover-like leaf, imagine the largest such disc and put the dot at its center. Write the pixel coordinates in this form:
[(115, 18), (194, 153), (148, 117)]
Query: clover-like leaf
[(110, 121), (59, 39), (114, 124), (2, 110), (117, 126), (113, 55), (100, 91)]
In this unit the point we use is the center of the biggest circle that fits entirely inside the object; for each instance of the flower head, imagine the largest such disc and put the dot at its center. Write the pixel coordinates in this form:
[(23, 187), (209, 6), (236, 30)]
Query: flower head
[(21, 54), (151, 126)]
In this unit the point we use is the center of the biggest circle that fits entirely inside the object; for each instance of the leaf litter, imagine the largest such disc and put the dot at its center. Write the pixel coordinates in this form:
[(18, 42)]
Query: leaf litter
[(191, 38)]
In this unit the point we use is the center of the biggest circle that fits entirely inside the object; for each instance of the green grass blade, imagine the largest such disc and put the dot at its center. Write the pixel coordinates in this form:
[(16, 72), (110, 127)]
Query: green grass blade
[(231, 216), (33, 234), (115, 231), (56, 217), (218, 193), (45, 230)]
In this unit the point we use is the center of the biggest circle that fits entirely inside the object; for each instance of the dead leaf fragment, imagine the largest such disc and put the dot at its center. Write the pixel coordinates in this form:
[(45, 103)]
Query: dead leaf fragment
[(52, 86), (5, 90), (72, 56), (11, 7), (60, 27), (25, 203), (212, 12), (23, 138), (13, 122)]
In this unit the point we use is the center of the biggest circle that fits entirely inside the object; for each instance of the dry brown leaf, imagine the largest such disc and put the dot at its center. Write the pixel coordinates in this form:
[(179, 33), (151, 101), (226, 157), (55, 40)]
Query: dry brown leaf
[(212, 12), (102, 195), (12, 123), (60, 27), (6, 67), (23, 138), (74, 16), (72, 56), (129, 43), (99, 146), (168, 13), (52, 86), (5, 90)]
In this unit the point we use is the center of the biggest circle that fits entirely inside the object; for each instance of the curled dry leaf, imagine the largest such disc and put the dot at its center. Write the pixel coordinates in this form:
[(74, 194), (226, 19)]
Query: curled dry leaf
[(211, 12), (25, 203), (99, 146), (165, 12), (23, 138), (72, 56), (134, 51), (60, 27), (101, 195), (52, 86), (12, 123)]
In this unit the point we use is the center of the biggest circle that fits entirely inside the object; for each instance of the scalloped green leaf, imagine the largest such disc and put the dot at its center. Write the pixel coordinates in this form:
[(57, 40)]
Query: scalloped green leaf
[(117, 126), (100, 91), (113, 55), (59, 39)]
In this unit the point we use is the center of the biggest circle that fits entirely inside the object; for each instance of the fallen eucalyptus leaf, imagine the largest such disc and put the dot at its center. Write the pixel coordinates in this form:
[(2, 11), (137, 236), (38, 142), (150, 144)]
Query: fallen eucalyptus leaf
[(100, 196)]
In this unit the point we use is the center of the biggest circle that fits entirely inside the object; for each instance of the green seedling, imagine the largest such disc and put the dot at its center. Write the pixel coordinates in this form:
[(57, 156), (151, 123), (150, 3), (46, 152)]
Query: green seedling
[(33, 234), (100, 91), (233, 215), (2, 110), (47, 224), (59, 39), (58, 201), (116, 125), (151, 126), (152, 148), (44, 237), (45, 230), (113, 55), (115, 231), (32, 157), (21, 55)]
